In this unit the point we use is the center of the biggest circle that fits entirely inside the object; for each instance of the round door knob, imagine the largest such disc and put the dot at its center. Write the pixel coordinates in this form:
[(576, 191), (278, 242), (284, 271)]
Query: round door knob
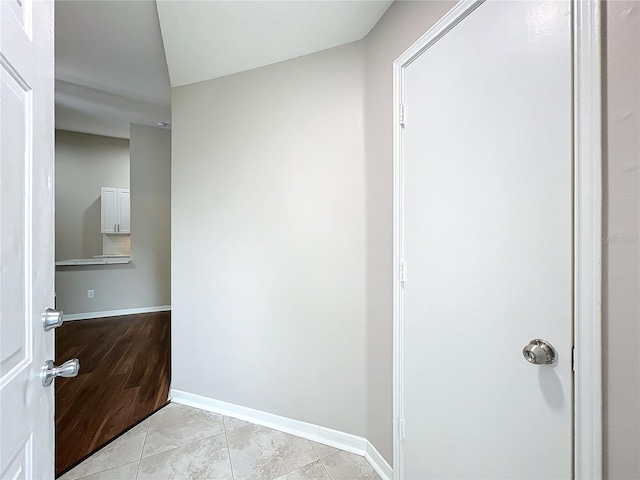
[(539, 352), (70, 368)]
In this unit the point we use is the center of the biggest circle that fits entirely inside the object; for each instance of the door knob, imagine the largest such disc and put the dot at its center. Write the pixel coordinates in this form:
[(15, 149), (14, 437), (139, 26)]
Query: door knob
[(539, 352), (70, 368), (52, 319)]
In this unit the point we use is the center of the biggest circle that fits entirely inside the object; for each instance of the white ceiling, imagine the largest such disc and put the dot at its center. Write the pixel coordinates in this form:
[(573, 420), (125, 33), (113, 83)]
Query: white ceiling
[(210, 39), (110, 59), (110, 66)]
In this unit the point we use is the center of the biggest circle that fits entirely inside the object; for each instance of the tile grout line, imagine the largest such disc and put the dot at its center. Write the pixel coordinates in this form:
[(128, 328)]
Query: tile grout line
[(180, 446), (189, 443), (143, 444), (302, 466), (320, 459), (325, 469), (314, 450), (226, 441), (328, 454), (102, 450), (102, 471)]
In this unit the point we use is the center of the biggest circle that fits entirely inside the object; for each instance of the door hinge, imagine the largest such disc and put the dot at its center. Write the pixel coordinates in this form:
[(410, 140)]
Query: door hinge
[(573, 359), (401, 430), (402, 115), (401, 273)]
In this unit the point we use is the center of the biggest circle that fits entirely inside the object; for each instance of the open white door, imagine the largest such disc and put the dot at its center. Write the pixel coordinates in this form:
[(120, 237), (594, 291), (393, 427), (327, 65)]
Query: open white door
[(26, 237)]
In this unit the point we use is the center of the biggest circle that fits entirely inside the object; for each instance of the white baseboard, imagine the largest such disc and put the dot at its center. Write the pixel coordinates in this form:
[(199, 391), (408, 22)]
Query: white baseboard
[(334, 438), (378, 463), (115, 313)]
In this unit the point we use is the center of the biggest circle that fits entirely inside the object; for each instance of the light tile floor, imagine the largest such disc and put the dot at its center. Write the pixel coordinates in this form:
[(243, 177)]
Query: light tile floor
[(181, 442)]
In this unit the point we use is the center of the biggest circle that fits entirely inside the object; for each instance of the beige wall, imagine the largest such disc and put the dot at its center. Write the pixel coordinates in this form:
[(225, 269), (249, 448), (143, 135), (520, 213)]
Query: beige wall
[(145, 282), (621, 294), (269, 239)]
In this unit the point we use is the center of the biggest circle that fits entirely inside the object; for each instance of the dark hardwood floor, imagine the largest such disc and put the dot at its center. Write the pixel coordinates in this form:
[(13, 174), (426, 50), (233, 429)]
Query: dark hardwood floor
[(125, 372)]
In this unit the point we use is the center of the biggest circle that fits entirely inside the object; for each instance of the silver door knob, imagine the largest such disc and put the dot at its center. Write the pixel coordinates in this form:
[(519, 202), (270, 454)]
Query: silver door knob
[(52, 319), (70, 368), (539, 352)]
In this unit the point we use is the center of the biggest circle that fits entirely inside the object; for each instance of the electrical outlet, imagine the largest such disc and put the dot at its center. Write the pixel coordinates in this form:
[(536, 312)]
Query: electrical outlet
[(90, 293)]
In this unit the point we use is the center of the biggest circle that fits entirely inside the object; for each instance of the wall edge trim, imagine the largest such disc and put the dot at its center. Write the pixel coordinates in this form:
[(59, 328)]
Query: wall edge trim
[(588, 201), (377, 461)]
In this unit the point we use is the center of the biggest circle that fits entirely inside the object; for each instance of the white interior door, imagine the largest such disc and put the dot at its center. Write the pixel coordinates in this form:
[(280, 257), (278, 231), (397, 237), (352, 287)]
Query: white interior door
[(486, 240), (26, 237)]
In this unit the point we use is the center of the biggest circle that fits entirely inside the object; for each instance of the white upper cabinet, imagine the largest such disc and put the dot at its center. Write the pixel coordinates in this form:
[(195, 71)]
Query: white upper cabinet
[(116, 210), (124, 210)]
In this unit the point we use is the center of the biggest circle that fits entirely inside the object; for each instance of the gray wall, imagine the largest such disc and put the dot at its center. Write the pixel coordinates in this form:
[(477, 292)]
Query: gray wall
[(151, 214), (146, 281), (84, 163), (269, 239), (621, 294)]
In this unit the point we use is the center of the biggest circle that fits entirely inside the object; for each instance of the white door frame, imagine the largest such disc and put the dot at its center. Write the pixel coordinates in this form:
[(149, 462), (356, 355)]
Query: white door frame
[(587, 215)]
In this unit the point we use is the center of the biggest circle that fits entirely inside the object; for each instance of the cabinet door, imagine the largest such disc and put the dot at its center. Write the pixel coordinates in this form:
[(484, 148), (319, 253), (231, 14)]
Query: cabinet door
[(109, 210), (124, 211)]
